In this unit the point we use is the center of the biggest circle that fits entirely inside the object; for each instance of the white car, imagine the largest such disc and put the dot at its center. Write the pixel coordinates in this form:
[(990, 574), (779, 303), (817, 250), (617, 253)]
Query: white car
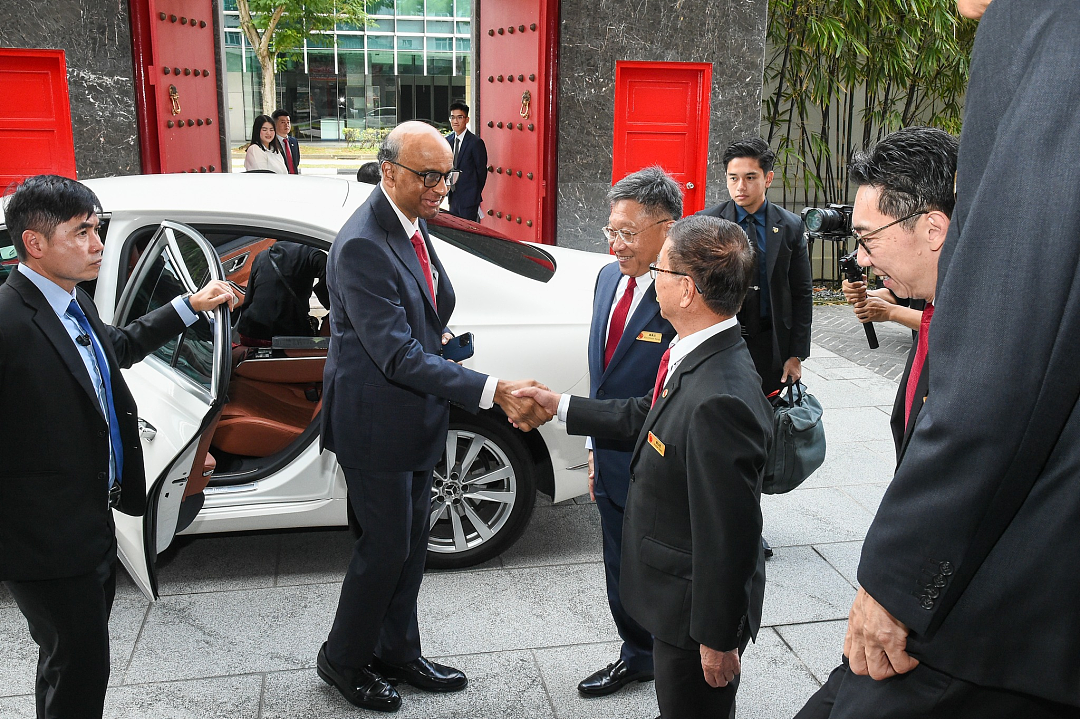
[(231, 435)]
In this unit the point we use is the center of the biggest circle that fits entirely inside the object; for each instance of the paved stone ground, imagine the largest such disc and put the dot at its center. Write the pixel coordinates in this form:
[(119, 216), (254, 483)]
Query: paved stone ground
[(835, 328), (241, 617)]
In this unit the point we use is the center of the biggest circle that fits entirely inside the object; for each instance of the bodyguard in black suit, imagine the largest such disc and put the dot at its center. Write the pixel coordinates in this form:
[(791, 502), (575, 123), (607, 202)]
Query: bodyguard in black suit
[(968, 566), (71, 438), (470, 159), (279, 290), (693, 570), (386, 395), (288, 145), (776, 314), (627, 338)]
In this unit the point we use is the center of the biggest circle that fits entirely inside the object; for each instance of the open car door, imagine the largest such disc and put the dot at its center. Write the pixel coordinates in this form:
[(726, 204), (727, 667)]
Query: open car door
[(179, 389)]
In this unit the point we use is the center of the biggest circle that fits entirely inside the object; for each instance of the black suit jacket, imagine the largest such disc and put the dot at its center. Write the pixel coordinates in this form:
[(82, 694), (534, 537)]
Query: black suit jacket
[(294, 145), (278, 304), (986, 582), (386, 390), (54, 479), (791, 287), (472, 161), (693, 570)]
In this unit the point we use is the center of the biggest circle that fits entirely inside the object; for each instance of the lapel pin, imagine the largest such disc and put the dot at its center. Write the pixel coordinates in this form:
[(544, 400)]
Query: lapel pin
[(664, 393), (776, 229)]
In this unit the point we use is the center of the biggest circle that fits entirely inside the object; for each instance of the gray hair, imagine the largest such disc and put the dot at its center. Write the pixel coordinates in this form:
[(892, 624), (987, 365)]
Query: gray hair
[(718, 258), (653, 189), (390, 150)]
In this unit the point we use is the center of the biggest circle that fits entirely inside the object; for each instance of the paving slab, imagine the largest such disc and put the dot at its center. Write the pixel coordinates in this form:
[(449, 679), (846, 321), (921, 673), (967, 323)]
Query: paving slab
[(809, 516), (775, 682), (319, 556), (857, 424), (800, 586), (819, 645), (502, 685), (218, 563), (868, 495), (843, 557), (850, 463), (234, 697), (563, 667), (566, 533)]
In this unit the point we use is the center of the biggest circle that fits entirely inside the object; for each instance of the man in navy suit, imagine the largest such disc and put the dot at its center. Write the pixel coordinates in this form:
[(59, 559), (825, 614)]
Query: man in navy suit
[(470, 160), (626, 341), (290, 147), (385, 413)]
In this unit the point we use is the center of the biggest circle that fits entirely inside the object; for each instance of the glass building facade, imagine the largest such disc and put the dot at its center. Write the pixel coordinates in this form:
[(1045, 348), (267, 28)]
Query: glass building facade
[(411, 62)]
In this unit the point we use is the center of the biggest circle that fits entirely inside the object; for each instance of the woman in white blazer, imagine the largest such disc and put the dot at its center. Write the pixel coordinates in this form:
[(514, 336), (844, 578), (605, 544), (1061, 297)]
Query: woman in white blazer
[(263, 153)]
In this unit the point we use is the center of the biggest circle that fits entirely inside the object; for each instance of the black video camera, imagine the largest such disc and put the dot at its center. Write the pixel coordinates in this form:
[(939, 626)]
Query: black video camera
[(831, 222)]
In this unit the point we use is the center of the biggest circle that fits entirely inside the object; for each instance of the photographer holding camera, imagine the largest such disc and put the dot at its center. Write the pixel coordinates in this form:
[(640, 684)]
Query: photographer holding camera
[(900, 219), (881, 305)]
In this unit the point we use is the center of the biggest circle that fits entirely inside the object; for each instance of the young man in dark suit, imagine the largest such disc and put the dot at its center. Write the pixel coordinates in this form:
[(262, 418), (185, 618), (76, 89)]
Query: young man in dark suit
[(470, 159), (71, 437), (626, 340), (386, 395), (290, 146), (901, 218), (776, 314), (968, 606), (693, 570)]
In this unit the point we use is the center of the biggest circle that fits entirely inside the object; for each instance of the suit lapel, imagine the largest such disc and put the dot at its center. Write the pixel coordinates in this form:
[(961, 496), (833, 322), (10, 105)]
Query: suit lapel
[(772, 239), (401, 245), (53, 329), (646, 310), (606, 284), (921, 390)]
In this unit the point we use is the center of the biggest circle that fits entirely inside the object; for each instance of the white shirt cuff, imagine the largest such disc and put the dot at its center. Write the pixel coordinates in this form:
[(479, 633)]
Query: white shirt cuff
[(184, 311), (487, 397), (564, 405), (588, 443)]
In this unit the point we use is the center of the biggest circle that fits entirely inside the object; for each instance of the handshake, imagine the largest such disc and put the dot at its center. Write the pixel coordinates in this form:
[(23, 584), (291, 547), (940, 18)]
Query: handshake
[(527, 403)]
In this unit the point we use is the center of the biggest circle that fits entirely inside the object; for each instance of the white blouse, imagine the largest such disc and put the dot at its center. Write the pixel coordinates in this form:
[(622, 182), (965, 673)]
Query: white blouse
[(260, 159)]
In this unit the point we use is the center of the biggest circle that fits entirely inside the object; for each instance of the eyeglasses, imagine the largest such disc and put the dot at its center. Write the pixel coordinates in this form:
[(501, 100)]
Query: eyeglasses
[(432, 177), (860, 240), (627, 237), (654, 270), (459, 117)]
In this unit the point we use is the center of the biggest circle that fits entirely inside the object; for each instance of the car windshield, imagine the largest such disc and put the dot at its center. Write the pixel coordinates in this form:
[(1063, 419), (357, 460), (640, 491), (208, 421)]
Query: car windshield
[(517, 257)]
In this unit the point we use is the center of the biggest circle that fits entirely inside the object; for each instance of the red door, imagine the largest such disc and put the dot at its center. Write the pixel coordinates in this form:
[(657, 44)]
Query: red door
[(177, 85), (516, 116), (35, 116), (662, 118)]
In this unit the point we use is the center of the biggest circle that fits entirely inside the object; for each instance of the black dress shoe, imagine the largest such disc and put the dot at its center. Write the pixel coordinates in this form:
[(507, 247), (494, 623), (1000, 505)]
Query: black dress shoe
[(423, 674), (360, 687), (611, 679), (766, 547)]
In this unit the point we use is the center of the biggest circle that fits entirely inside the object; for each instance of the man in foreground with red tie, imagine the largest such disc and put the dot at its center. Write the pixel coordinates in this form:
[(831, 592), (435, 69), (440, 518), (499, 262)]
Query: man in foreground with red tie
[(902, 213), (386, 395), (693, 568), (626, 340)]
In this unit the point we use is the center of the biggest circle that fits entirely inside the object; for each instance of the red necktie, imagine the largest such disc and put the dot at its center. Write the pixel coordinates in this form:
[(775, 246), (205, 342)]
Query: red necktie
[(425, 263), (919, 361), (618, 321), (288, 156), (661, 375)]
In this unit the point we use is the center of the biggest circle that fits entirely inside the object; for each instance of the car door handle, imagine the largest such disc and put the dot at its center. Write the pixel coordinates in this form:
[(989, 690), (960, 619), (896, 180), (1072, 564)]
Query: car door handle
[(146, 430)]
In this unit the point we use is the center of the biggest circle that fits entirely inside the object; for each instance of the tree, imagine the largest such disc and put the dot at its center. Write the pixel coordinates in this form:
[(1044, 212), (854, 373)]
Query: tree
[(844, 73), (273, 27)]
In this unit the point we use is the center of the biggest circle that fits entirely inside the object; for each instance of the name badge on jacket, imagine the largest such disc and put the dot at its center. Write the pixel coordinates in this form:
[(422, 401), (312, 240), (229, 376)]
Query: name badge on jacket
[(656, 444), (650, 336)]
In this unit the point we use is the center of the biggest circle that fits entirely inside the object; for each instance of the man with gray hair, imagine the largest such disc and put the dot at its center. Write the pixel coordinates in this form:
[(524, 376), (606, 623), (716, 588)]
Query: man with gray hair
[(627, 338)]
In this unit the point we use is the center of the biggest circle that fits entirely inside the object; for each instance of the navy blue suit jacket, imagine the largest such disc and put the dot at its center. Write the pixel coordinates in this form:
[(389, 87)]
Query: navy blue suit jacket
[(631, 373), (472, 161), (294, 147), (385, 388)]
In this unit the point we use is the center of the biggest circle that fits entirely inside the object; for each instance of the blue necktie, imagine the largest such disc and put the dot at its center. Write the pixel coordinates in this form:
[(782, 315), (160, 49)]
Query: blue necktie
[(106, 379)]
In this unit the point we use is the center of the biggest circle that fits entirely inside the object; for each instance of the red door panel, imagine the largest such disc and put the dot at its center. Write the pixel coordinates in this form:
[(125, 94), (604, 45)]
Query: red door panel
[(35, 115), (662, 118), (516, 113)]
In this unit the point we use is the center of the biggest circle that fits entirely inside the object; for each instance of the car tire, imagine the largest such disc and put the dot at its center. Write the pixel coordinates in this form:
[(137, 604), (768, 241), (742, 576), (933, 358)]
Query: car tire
[(483, 502)]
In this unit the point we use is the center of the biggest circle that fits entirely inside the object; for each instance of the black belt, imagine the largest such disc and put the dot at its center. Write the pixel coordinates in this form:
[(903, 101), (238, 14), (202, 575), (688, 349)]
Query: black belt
[(114, 496)]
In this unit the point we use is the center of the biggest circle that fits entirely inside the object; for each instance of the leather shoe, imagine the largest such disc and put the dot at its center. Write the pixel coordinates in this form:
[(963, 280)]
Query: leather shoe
[(360, 687), (765, 546), (422, 673), (611, 679)]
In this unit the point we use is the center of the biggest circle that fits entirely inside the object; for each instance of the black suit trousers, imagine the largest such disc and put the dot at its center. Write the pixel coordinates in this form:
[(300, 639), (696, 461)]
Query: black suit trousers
[(923, 693), (765, 361), (681, 689), (69, 620), (376, 614), (637, 642)]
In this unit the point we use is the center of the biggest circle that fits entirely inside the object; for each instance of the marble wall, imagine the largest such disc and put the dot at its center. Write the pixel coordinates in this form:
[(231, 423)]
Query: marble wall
[(594, 34), (96, 38)]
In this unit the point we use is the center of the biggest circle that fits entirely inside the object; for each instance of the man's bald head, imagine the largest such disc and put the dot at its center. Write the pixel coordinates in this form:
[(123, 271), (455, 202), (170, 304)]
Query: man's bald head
[(411, 149)]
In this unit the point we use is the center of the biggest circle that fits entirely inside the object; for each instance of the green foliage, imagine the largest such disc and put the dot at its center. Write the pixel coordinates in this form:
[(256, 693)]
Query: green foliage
[(367, 139), (296, 19), (844, 73)]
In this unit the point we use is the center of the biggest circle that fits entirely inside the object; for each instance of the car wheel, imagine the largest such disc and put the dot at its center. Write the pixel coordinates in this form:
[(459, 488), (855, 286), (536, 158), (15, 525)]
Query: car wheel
[(482, 494)]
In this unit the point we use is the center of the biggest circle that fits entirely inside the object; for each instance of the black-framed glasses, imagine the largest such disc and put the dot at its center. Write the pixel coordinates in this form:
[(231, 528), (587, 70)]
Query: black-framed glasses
[(432, 177), (626, 236), (860, 240), (654, 270)]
